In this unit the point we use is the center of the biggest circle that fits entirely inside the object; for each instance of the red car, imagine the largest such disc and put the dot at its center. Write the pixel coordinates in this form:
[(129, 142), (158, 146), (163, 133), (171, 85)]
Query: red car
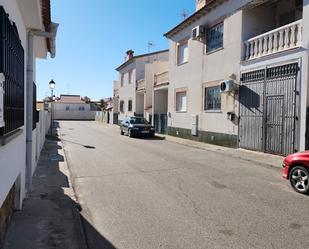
[(296, 169)]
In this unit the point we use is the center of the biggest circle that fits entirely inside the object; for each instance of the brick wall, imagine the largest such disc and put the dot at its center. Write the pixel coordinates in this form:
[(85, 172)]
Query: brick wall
[(6, 212)]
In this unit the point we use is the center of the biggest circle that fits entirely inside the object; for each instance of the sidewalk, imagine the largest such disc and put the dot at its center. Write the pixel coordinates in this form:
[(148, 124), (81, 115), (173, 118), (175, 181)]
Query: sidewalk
[(49, 218), (247, 155)]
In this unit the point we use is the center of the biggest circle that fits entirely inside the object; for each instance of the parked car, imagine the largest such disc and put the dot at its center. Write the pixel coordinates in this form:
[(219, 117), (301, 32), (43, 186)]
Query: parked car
[(296, 169), (136, 126)]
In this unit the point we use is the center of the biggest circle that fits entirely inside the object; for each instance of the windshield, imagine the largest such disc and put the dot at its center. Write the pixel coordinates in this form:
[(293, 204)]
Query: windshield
[(138, 121)]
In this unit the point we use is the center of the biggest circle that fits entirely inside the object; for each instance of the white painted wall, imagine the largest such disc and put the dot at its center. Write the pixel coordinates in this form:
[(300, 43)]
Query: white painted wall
[(128, 91), (72, 107), (205, 69), (13, 154)]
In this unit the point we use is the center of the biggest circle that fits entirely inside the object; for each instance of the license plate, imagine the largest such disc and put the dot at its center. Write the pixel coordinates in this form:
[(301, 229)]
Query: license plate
[(145, 132)]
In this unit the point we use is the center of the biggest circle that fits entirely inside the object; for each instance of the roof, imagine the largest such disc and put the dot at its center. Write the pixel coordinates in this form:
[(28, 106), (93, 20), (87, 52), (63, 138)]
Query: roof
[(70, 99), (194, 17), (46, 16), (139, 56)]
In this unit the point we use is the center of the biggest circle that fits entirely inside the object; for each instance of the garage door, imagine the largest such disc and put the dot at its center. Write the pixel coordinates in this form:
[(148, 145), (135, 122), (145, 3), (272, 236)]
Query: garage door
[(268, 104)]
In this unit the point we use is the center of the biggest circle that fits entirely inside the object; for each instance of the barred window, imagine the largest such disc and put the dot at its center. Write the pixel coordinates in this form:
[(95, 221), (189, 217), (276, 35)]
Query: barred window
[(214, 37), (212, 98), (12, 66), (81, 108)]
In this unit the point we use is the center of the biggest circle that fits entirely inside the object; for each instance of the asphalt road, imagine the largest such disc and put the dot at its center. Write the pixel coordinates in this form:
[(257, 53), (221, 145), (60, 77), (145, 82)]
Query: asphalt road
[(144, 194)]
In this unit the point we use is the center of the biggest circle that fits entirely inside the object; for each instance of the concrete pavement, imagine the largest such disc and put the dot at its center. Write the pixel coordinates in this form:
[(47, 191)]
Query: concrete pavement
[(153, 193), (50, 217)]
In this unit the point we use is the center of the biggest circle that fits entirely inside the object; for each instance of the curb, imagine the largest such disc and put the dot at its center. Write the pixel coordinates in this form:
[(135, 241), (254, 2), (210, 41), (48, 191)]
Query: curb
[(222, 150)]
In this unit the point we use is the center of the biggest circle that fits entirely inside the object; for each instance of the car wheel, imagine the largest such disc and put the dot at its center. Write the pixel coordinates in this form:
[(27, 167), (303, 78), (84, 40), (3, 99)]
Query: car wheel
[(299, 179), (130, 133), (121, 132)]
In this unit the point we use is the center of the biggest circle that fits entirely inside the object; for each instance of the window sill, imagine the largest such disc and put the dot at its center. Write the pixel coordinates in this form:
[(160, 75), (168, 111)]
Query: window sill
[(181, 111), (212, 111), (214, 51), (9, 137)]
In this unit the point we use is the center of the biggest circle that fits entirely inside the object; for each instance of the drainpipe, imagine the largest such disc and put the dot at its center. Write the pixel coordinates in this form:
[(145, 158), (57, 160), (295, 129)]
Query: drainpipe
[(29, 91)]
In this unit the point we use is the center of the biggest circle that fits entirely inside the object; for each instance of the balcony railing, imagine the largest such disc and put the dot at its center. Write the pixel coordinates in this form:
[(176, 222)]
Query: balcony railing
[(277, 40), (161, 79), (140, 85)]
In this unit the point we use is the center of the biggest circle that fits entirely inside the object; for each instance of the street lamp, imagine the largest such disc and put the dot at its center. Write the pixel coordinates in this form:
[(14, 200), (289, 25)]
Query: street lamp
[(52, 86)]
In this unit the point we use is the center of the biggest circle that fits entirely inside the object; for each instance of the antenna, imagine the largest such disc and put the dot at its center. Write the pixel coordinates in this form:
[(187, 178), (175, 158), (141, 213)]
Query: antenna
[(150, 44), (184, 14)]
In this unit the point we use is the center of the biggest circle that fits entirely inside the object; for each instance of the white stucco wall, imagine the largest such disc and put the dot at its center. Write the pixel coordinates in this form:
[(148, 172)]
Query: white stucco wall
[(12, 155), (128, 91), (207, 69)]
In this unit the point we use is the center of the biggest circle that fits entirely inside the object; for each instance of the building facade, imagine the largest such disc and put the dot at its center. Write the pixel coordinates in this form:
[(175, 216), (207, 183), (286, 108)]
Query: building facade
[(132, 97), (26, 33), (72, 107), (238, 75)]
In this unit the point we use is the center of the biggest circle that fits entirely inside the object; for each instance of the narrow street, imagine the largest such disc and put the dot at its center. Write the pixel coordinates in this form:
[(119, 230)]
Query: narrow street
[(151, 193)]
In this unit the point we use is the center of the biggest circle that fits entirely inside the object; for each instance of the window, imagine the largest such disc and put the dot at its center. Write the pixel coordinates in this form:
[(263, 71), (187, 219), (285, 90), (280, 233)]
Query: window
[(182, 52), (181, 101), (67, 108), (12, 67), (130, 105), (214, 38), (121, 106), (81, 108), (121, 79), (130, 77), (212, 98)]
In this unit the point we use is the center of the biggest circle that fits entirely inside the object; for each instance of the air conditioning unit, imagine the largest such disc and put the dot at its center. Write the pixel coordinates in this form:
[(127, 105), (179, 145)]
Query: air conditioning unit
[(2, 79), (227, 86), (197, 32)]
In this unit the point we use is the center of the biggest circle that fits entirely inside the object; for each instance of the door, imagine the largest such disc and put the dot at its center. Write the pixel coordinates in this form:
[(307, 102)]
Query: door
[(269, 101), (274, 124), (163, 123)]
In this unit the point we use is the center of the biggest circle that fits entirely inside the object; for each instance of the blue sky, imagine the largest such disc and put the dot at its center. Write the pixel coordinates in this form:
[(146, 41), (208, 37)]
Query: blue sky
[(94, 35)]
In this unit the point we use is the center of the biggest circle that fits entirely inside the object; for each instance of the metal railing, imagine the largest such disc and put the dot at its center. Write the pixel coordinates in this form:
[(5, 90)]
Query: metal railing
[(277, 40), (12, 66)]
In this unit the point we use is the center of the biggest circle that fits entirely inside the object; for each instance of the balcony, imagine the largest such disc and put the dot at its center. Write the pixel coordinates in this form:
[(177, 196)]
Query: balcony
[(278, 40), (140, 85), (161, 79)]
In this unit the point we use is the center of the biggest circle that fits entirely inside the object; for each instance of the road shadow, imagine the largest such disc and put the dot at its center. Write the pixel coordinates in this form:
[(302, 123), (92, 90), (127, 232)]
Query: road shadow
[(51, 217), (149, 138)]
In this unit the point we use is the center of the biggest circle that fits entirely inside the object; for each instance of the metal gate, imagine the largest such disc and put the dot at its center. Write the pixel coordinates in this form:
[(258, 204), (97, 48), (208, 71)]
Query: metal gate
[(268, 109)]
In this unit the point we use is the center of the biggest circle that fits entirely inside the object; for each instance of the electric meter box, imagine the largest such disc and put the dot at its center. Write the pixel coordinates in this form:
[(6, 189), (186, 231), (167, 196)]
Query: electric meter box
[(2, 79)]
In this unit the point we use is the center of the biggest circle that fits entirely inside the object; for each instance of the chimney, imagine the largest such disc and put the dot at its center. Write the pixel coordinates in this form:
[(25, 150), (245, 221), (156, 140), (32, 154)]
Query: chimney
[(200, 4), (130, 54)]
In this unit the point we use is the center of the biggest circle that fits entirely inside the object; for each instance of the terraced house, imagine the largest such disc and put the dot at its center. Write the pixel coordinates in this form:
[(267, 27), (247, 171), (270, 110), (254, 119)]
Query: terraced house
[(26, 33), (135, 87), (238, 74)]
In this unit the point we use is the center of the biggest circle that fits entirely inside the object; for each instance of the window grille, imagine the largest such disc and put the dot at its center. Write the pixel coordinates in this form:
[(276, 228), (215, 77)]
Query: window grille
[(214, 38), (212, 98), (12, 66)]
